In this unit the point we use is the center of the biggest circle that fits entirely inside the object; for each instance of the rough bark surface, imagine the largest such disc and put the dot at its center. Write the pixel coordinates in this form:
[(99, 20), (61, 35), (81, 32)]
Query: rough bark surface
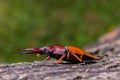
[(107, 68)]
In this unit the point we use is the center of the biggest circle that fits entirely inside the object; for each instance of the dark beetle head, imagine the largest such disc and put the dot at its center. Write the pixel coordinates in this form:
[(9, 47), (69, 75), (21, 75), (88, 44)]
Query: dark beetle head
[(46, 50)]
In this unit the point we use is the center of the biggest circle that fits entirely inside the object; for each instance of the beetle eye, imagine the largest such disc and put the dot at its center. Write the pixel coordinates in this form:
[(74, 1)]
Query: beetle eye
[(46, 50)]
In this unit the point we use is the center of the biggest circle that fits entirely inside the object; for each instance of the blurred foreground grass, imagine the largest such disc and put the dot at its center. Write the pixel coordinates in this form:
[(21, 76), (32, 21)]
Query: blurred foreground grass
[(35, 23)]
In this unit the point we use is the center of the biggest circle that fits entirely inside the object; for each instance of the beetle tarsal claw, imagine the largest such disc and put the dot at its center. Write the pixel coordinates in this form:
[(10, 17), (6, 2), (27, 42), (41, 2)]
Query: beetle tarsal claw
[(38, 55)]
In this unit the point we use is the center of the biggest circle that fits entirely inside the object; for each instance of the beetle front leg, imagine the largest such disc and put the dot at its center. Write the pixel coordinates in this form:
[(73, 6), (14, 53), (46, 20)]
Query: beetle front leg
[(47, 58), (38, 55)]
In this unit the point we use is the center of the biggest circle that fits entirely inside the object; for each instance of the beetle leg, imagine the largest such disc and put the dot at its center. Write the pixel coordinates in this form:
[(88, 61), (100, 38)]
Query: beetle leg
[(89, 54), (58, 61), (68, 55), (47, 58), (77, 57), (38, 55), (81, 56)]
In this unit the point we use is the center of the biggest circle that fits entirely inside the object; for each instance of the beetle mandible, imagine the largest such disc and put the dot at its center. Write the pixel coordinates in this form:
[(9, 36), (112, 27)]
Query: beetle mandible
[(59, 52)]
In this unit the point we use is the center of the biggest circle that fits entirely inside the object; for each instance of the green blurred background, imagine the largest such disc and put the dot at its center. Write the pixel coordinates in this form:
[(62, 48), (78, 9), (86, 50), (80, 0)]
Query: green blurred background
[(36, 23)]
